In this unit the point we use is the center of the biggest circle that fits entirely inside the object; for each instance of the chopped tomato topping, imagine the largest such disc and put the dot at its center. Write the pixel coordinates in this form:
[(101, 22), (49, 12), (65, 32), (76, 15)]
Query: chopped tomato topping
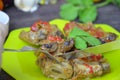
[(85, 58), (90, 67), (100, 34), (96, 57), (51, 38), (67, 26), (59, 39), (45, 23), (35, 27), (54, 38), (96, 33), (99, 57)]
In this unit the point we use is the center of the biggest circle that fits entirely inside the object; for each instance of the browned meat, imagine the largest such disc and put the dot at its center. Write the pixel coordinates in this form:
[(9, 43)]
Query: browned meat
[(56, 47), (90, 66), (91, 29), (55, 70), (51, 47), (67, 45), (82, 65), (40, 33), (108, 37), (35, 38), (57, 56)]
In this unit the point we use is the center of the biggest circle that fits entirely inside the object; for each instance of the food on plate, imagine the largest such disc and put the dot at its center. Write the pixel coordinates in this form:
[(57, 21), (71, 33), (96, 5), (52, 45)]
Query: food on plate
[(87, 35), (92, 30), (40, 32), (73, 65), (60, 55)]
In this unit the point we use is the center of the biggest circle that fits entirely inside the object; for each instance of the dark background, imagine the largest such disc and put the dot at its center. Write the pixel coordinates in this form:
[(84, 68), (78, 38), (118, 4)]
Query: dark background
[(109, 14)]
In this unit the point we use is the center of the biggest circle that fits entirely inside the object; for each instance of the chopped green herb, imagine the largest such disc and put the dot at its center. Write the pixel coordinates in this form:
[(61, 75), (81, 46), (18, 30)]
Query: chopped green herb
[(68, 11), (92, 40), (89, 14), (83, 38), (80, 43), (77, 32), (85, 10)]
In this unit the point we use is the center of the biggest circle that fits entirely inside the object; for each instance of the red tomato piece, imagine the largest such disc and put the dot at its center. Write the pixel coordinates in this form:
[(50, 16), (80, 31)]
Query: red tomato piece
[(33, 28), (51, 38), (59, 39), (90, 67), (54, 38), (67, 26), (99, 57)]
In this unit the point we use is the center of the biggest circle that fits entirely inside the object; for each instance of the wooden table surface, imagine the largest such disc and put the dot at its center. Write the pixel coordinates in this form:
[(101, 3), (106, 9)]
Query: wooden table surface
[(109, 14)]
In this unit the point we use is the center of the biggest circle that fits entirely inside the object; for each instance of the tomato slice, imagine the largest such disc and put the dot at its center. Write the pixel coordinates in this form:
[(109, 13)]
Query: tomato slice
[(51, 38), (35, 27), (54, 38), (67, 26)]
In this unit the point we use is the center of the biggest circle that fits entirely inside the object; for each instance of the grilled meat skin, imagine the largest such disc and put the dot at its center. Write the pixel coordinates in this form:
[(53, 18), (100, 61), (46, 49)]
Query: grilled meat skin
[(83, 65)]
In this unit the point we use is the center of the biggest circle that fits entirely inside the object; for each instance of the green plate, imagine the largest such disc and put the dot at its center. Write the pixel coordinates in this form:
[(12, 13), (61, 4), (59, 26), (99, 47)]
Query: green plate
[(22, 66)]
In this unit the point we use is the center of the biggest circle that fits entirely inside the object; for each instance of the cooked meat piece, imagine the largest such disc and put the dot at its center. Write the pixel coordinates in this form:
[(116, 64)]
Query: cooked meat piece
[(59, 33), (106, 67), (42, 34), (35, 38), (56, 47), (89, 69), (29, 37), (111, 36), (108, 37), (83, 65), (55, 70), (57, 56), (67, 45), (39, 33), (86, 70), (91, 29), (89, 65), (51, 47)]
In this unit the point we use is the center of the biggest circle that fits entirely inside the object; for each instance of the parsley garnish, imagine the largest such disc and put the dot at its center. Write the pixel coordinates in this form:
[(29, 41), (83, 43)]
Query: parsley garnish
[(85, 10), (83, 38)]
